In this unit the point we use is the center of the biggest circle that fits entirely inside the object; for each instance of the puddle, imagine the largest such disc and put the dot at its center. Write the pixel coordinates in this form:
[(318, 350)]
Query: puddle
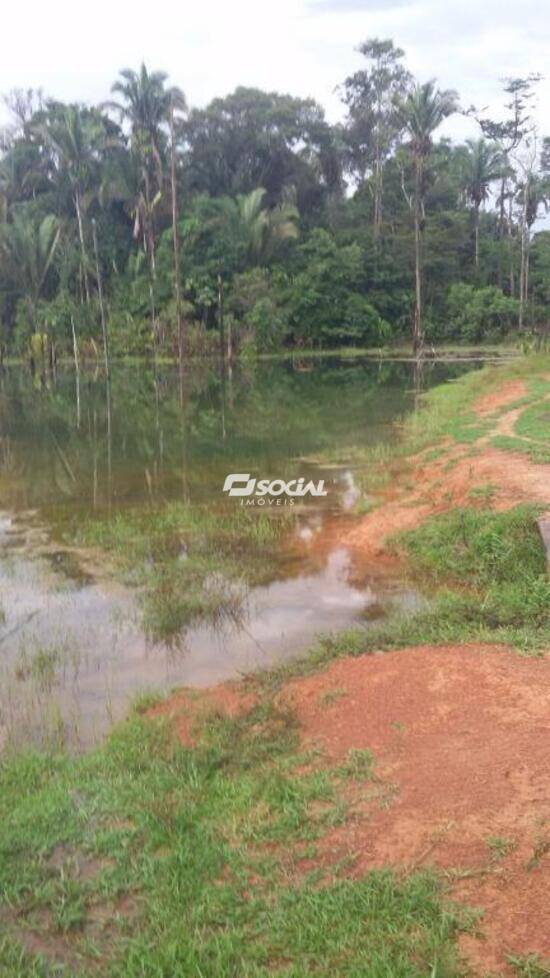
[(73, 654)]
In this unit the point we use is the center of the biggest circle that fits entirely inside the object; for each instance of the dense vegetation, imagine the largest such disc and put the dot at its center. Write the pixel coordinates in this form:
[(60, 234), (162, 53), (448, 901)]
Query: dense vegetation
[(144, 225)]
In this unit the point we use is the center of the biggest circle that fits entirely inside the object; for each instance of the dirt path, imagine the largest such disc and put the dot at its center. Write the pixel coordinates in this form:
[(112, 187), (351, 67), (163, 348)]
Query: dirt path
[(456, 479)]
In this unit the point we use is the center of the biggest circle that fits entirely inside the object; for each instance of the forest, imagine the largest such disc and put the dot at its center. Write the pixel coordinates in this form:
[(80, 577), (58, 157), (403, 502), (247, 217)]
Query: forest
[(143, 227)]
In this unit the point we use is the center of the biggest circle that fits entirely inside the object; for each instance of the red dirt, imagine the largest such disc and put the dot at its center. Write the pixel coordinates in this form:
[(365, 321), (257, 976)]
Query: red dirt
[(188, 707), (463, 733), (507, 393), (439, 486)]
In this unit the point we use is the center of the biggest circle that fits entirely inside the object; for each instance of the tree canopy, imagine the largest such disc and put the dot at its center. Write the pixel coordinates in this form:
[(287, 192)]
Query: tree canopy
[(257, 214)]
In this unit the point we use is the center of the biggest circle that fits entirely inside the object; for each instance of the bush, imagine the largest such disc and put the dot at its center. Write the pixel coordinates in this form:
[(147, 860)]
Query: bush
[(475, 314)]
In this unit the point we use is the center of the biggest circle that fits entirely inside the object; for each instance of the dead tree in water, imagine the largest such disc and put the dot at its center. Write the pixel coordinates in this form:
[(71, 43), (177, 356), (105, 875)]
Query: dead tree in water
[(175, 234), (101, 303)]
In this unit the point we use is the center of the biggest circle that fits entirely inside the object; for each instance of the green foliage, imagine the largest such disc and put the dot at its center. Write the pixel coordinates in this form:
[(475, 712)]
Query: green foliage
[(479, 547), (530, 966), (260, 184), (479, 313), (324, 296)]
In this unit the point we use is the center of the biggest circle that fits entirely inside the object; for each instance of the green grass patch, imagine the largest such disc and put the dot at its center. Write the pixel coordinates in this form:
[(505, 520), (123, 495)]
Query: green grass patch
[(447, 410), (146, 858), (190, 563), (537, 453), (489, 571), (530, 966), (534, 422)]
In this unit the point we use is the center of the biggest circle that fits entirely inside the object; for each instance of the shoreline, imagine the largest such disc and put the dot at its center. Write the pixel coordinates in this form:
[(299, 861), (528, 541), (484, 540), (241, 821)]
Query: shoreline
[(405, 765)]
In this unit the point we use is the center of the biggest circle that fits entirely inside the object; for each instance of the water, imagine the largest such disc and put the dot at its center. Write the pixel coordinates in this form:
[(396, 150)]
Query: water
[(73, 647)]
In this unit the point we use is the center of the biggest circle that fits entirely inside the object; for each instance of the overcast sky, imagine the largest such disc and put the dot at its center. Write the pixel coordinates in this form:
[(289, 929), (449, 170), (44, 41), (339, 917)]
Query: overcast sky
[(305, 47)]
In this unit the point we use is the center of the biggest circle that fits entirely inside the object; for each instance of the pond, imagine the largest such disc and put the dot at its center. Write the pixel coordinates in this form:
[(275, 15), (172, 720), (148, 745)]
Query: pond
[(124, 567)]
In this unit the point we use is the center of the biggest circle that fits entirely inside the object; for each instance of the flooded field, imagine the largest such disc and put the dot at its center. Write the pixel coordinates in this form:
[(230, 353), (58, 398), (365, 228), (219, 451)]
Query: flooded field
[(124, 568)]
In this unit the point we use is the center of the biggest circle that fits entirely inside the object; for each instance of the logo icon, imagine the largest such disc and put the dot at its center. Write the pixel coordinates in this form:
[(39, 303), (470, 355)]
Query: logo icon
[(263, 492)]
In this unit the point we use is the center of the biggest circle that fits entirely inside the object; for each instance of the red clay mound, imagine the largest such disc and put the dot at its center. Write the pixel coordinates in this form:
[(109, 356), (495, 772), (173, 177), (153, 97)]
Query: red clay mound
[(461, 737)]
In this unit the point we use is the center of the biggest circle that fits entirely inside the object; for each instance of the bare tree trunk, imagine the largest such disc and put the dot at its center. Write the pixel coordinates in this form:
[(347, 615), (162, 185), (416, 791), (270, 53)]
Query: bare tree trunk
[(476, 234), (107, 373), (510, 247), (378, 184), (101, 304), (527, 256), (523, 262), (175, 235), (229, 340), (221, 324), (149, 248), (77, 373), (417, 324), (84, 257)]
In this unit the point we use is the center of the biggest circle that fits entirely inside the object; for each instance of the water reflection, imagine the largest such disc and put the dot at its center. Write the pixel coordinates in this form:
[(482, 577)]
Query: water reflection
[(72, 648)]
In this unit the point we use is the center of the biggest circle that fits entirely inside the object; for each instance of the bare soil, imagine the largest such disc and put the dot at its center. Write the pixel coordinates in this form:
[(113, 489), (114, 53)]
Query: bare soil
[(506, 394), (429, 488), (460, 734)]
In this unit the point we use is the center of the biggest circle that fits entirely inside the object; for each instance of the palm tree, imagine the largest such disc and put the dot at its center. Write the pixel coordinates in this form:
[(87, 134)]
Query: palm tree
[(483, 164), (74, 136), (261, 228), (422, 112), (146, 106), (28, 245)]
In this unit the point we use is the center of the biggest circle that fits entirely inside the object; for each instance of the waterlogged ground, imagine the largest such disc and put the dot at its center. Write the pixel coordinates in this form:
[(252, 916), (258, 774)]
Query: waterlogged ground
[(123, 567)]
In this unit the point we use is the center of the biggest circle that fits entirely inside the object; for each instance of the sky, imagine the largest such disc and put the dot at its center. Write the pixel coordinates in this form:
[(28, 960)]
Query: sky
[(305, 47)]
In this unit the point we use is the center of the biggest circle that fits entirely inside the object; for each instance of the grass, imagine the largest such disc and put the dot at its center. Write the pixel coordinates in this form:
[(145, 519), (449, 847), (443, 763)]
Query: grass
[(448, 411), (191, 564), (485, 574), (498, 591), (500, 846), (538, 453), (530, 966), (146, 858)]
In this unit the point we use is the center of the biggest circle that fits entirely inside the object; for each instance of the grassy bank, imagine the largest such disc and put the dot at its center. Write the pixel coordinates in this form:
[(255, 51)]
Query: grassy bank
[(146, 858)]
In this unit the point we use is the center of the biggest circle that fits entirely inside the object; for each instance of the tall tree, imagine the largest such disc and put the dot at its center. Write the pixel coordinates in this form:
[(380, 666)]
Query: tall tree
[(255, 139), (483, 165), (176, 101), (145, 105), (74, 136), (422, 112), (373, 124), (510, 133)]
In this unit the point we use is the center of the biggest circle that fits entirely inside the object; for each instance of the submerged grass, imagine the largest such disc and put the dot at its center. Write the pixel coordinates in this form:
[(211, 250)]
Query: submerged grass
[(191, 564), (146, 858)]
